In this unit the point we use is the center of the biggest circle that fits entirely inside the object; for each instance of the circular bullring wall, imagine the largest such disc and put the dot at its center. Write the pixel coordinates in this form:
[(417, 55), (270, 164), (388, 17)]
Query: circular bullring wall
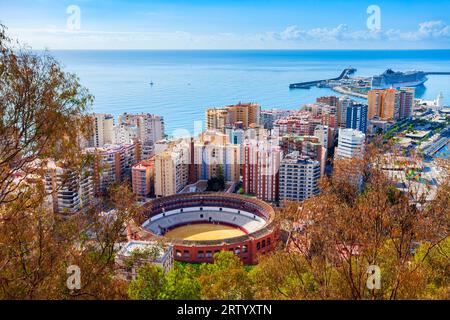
[(201, 224)]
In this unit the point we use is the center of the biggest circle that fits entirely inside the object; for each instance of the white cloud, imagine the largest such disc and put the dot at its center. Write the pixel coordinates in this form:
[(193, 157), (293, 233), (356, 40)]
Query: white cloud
[(437, 30), (433, 29)]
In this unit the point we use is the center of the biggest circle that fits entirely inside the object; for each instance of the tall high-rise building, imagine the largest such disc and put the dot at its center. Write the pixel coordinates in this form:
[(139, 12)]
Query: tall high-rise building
[(299, 177), (261, 169), (162, 145), (211, 151), (113, 163), (216, 119), (103, 130), (374, 101), (124, 133), (324, 134), (172, 169), (329, 118), (357, 117), (143, 176), (244, 114), (384, 104), (307, 146), (390, 105), (69, 191), (249, 114), (344, 103), (351, 143), (406, 96), (149, 128)]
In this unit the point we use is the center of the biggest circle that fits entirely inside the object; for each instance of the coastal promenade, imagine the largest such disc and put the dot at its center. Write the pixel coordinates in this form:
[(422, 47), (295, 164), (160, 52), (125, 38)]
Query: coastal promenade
[(349, 92)]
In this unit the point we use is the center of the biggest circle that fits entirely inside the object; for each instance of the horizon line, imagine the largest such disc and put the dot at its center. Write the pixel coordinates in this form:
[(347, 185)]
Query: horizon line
[(242, 49)]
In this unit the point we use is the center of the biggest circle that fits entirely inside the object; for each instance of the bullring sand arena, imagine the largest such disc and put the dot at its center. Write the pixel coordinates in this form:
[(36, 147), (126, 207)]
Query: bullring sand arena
[(198, 225), (204, 231)]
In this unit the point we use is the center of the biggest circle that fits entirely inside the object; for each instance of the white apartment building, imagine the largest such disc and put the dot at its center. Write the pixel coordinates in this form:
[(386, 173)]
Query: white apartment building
[(351, 143), (299, 177), (68, 191), (322, 132), (124, 133), (149, 129), (103, 130)]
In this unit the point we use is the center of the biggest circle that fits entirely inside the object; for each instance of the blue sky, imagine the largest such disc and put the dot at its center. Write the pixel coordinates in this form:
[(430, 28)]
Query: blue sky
[(232, 24)]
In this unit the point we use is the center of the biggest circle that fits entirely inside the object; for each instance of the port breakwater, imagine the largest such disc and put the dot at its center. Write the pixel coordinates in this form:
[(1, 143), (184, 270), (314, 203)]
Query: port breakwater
[(308, 84)]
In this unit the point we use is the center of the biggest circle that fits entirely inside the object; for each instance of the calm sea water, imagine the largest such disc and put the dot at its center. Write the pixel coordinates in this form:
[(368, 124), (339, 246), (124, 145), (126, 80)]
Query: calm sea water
[(188, 82)]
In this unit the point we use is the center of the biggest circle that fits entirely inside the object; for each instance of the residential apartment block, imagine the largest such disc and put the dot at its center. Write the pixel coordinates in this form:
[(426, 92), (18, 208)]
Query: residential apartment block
[(261, 169), (299, 177), (69, 191)]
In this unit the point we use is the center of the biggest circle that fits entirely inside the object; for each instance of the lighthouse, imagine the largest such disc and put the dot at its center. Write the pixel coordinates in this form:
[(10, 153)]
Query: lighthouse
[(439, 102)]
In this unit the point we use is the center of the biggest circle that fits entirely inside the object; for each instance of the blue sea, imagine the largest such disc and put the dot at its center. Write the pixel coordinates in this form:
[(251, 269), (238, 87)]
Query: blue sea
[(188, 82)]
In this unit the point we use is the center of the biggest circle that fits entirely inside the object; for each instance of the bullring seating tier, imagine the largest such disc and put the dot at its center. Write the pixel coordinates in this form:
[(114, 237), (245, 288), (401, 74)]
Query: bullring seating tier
[(166, 221)]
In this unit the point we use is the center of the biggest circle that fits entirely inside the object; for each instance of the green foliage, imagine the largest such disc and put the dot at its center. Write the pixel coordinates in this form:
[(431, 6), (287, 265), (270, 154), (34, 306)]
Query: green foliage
[(182, 283), (435, 266), (149, 283), (226, 279)]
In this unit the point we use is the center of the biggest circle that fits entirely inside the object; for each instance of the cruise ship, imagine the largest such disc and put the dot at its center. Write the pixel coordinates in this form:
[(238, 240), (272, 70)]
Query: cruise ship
[(391, 79)]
